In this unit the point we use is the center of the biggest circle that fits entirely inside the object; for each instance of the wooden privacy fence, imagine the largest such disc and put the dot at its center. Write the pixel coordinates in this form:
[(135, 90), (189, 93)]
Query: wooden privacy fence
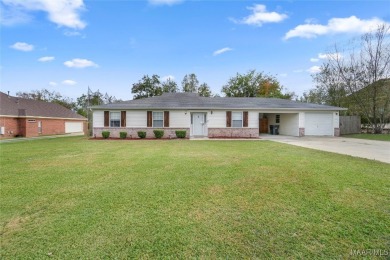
[(350, 125)]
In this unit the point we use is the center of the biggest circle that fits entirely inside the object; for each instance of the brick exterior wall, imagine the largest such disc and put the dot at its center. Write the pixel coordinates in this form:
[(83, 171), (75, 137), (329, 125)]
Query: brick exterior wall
[(132, 132), (233, 132), (301, 131), (337, 132), (11, 127), (28, 127)]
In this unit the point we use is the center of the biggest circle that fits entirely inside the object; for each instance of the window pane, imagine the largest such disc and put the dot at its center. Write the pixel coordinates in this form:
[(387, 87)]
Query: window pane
[(158, 115), (115, 123), (237, 116), (237, 123), (157, 123), (115, 116)]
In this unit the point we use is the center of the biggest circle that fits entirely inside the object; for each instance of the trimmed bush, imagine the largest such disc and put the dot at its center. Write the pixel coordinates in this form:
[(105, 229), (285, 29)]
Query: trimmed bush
[(141, 134), (158, 133), (123, 135), (106, 134), (181, 133)]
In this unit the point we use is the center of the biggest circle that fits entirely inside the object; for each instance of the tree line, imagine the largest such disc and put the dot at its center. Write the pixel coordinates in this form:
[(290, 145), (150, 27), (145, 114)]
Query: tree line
[(80, 105), (250, 84)]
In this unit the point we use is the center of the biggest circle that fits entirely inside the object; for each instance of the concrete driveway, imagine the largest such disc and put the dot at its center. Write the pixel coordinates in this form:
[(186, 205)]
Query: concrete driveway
[(369, 149)]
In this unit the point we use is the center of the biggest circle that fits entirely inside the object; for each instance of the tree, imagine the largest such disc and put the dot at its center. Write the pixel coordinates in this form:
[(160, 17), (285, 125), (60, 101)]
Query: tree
[(48, 96), (328, 90), (354, 75), (204, 90), (169, 86), (254, 84), (190, 83), (147, 87)]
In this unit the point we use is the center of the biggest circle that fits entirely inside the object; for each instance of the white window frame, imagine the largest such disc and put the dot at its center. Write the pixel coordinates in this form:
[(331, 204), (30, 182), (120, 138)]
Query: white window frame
[(277, 119), (116, 112), (162, 120), (242, 119)]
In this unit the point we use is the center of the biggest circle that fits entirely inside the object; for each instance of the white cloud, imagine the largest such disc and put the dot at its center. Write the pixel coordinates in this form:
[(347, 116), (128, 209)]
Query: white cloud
[(260, 16), (314, 69), (164, 2), (168, 77), (62, 12), (46, 59), (314, 59), (220, 51), (80, 63), (298, 71), (283, 75), (13, 15), (22, 46), (69, 82), (72, 33), (350, 24), (52, 83)]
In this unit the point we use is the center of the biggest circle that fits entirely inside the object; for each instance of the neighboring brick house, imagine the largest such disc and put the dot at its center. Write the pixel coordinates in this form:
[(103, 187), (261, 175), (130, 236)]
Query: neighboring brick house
[(21, 117), (213, 117)]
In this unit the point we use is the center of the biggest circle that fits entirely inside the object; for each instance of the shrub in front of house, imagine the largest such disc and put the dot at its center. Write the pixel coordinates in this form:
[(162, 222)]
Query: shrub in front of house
[(123, 135), (181, 133), (106, 134), (141, 134), (158, 133)]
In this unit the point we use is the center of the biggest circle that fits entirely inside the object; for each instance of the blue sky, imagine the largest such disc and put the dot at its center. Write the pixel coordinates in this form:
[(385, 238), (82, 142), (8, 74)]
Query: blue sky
[(68, 45)]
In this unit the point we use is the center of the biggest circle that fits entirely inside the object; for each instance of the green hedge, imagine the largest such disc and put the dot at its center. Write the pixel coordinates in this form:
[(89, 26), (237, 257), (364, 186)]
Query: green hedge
[(141, 134), (123, 135), (106, 134), (181, 133), (158, 133)]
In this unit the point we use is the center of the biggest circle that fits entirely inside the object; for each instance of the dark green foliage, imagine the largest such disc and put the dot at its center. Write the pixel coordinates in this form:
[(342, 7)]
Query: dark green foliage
[(141, 134), (255, 84), (123, 135), (181, 133), (158, 133), (106, 134)]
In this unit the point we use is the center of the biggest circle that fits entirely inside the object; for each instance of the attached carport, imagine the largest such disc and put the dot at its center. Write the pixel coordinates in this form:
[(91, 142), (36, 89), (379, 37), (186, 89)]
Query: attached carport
[(301, 123)]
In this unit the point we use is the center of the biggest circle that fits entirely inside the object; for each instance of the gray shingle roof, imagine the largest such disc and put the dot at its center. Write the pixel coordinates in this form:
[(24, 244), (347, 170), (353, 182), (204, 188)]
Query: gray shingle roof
[(194, 101), (21, 107)]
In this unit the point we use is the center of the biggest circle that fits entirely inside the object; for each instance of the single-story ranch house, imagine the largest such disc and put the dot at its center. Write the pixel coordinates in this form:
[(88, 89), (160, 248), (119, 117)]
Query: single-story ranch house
[(215, 117), (30, 118)]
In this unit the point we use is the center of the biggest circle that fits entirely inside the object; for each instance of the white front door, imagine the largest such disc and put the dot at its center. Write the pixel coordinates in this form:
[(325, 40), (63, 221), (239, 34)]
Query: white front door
[(198, 121)]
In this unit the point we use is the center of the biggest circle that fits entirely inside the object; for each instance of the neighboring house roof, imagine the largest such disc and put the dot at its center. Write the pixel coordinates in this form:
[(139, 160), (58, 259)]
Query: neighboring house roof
[(21, 107), (194, 101)]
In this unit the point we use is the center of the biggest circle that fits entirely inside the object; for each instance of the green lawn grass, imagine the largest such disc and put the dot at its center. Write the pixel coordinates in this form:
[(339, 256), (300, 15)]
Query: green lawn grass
[(378, 137), (76, 198)]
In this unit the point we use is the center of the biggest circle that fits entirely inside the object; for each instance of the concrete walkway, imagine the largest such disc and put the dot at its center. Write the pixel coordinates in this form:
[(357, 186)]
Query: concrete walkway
[(369, 149), (21, 139)]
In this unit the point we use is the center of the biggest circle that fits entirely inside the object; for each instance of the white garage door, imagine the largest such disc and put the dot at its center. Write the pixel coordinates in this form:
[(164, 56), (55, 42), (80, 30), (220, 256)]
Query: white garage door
[(319, 124), (73, 127)]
